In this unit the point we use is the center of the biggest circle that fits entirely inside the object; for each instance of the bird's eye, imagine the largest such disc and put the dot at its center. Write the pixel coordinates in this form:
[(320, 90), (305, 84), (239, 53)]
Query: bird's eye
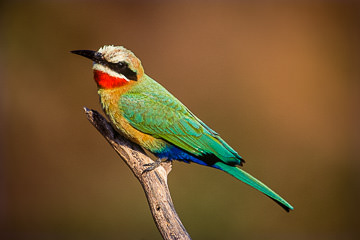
[(123, 68), (121, 64)]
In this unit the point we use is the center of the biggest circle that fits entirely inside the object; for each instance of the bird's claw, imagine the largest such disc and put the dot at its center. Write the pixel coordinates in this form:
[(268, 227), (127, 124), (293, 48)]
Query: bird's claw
[(154, 165)]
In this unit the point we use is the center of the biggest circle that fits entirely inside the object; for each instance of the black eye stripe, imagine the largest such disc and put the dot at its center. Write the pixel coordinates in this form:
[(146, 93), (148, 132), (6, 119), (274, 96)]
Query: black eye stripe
[(123, 68)]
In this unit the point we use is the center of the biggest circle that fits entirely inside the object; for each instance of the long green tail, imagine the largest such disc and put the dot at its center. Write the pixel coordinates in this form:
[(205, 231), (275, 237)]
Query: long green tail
[(248, 179)]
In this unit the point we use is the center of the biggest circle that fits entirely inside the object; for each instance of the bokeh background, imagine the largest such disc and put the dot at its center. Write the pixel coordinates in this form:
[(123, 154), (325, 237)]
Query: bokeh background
[(279, 80)]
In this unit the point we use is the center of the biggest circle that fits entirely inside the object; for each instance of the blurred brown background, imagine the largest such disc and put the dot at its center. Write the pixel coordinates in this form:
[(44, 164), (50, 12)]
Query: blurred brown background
[(278, 80)]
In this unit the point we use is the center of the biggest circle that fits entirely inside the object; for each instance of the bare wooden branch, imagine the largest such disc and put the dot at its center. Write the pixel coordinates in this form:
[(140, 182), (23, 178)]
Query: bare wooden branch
[(153, 182)]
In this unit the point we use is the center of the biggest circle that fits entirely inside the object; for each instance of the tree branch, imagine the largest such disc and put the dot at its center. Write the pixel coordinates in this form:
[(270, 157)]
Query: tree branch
[(153, 182)]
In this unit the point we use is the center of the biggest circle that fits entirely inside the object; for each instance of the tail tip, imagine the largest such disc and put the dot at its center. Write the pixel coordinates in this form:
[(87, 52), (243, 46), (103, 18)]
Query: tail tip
[(287, 207)]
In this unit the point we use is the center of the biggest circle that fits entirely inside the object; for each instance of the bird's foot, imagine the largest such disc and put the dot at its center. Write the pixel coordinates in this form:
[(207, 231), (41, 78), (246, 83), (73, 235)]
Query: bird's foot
[(154, 165)]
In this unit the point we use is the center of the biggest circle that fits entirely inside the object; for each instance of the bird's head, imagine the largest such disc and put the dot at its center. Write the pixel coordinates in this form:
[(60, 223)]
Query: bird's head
[(114, 66)]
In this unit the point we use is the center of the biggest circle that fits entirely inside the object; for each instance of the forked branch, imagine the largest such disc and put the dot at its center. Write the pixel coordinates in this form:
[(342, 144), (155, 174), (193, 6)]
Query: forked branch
[(153, 182)]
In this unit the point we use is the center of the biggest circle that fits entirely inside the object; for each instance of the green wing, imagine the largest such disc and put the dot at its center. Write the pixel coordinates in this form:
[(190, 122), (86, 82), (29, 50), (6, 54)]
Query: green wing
[(156, 112)]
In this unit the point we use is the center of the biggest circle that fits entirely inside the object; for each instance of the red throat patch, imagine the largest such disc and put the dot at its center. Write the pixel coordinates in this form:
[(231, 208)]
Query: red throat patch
[(104, 80)]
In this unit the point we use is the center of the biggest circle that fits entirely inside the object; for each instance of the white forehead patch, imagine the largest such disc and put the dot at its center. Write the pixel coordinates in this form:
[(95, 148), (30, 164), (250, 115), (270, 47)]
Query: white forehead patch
[(113, 53)]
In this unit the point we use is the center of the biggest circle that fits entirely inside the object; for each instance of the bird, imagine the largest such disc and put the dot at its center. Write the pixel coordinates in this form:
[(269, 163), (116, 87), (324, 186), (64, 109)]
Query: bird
[(143, 111)]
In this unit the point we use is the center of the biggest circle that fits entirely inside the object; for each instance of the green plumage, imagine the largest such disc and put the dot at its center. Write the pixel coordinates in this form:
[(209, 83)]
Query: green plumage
[(248, 179), (158, 113), (151, 109)]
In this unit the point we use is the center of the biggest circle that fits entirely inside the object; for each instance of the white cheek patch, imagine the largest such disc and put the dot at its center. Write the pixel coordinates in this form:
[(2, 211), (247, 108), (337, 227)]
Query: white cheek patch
[(102, 68)]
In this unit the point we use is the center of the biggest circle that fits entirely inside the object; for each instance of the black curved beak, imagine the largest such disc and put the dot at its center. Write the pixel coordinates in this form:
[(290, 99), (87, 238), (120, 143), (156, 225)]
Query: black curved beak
[(92, 55)]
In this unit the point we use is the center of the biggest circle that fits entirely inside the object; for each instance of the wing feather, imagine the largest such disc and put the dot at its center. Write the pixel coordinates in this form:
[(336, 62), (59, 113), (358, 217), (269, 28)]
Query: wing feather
[(163, 116)]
